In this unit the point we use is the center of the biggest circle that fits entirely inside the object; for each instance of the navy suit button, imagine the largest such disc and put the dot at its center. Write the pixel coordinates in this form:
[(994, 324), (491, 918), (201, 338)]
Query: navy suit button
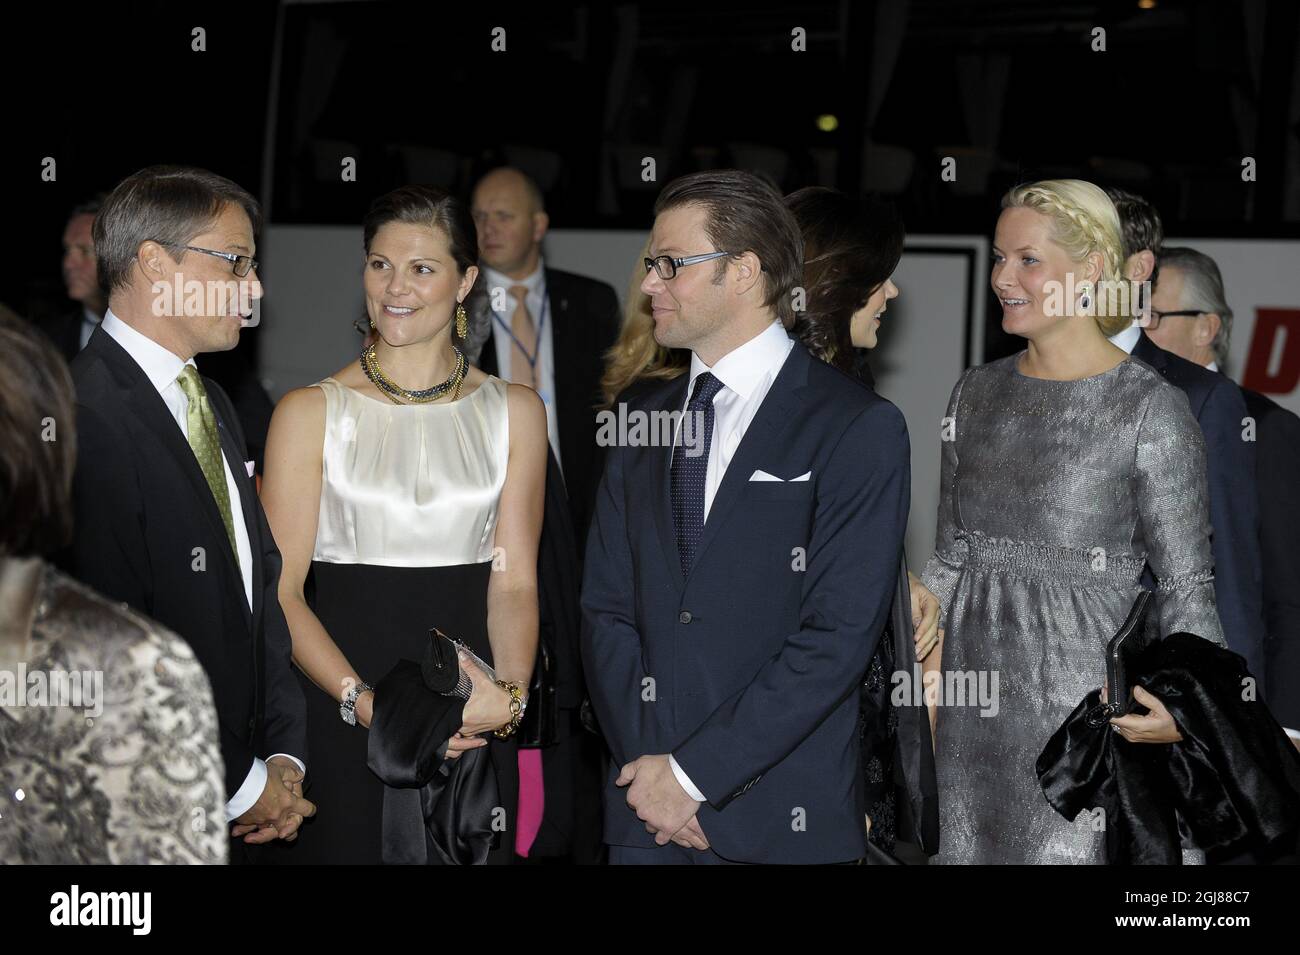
[(684, 617)]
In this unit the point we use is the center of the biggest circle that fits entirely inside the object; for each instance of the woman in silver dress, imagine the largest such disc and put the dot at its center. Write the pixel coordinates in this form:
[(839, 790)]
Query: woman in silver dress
[(1064, 469)]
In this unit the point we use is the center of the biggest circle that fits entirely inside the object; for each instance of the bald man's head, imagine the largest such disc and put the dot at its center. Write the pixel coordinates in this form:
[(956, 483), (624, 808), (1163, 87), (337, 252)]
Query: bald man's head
[(511, 221)]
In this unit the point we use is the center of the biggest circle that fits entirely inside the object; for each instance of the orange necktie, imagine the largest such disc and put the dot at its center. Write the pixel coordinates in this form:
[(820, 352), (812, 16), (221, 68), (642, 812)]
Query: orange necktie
[(524, 346)]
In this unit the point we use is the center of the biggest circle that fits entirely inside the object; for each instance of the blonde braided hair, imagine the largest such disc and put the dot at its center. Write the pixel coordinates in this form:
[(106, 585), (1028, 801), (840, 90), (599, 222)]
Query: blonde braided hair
[(1084, 221)]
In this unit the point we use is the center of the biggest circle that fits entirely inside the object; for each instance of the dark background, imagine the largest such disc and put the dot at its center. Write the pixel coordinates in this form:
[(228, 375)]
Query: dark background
[(413, 92)]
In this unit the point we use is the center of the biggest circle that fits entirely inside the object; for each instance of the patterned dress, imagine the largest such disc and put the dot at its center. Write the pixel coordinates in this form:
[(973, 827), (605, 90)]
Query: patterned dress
[(1053, 494), (127, 768)]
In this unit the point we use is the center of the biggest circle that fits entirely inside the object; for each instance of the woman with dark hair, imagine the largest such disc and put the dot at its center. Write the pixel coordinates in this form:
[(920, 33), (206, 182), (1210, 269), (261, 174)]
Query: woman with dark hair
[(410, 484), (851, 248), (108, 735)]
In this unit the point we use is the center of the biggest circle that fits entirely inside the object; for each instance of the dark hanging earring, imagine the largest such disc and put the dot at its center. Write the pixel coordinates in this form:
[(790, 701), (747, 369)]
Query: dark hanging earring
[(1085, 300)]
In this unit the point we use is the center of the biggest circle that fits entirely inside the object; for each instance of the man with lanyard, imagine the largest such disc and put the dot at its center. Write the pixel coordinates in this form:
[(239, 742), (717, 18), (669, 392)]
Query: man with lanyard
[(550, 330)]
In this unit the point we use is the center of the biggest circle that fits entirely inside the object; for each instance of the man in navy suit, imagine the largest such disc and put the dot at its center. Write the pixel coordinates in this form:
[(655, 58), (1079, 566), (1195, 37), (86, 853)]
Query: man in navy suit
[(1198, 327), (740, 570), (1220, 410)]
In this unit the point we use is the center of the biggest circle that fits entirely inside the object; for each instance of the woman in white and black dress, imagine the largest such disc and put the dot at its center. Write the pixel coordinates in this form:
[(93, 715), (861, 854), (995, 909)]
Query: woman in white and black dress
[(411, 486)]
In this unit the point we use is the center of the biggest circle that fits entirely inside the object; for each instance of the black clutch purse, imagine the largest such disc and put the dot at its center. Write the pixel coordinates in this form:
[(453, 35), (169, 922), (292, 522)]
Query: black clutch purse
[(1121, 649), (441, 666)]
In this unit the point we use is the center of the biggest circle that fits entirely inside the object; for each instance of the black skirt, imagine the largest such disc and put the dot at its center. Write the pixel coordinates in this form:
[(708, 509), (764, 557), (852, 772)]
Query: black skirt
[(377, 616)]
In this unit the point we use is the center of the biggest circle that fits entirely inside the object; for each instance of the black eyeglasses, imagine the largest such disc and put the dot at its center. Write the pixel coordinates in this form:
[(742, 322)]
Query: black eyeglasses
[(1158, 317), (242, 264), (667, 266)]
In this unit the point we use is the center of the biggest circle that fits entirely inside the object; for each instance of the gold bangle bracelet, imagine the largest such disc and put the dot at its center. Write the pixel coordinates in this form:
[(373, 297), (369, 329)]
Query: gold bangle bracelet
[(516, 692)]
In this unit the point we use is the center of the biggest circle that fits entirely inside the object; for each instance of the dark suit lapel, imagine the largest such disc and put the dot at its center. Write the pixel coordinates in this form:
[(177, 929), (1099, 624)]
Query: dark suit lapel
[(762, 440), (1149, 352), (661, 484), (566, 343), (151, 411)]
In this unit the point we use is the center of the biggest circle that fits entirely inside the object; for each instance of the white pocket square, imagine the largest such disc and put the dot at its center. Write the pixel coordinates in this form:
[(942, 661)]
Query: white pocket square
[(764, 476), (248, 466)]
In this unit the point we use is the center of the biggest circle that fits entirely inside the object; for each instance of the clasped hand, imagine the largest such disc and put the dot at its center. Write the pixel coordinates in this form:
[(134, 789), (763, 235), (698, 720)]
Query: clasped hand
[(280, 809), (659, 801)]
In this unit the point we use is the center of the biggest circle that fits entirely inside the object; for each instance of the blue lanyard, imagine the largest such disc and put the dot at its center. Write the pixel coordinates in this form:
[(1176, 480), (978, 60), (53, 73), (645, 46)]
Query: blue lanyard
[(541, 323)]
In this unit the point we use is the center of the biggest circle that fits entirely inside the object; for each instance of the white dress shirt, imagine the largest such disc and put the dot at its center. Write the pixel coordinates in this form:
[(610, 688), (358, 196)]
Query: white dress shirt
[(1127, 339), (162, 368), (746, 374), (537, 300)]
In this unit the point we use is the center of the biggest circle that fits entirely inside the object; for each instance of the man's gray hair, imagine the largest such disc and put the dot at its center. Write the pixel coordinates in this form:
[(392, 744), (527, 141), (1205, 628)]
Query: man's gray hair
[(169, 205), (1203, 290)]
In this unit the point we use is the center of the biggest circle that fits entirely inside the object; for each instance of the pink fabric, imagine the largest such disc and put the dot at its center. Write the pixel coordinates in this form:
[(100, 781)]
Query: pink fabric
[(532, 800)]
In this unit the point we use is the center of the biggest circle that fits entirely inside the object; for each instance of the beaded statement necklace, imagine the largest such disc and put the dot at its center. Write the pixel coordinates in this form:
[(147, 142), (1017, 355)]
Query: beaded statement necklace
[(394, 391)]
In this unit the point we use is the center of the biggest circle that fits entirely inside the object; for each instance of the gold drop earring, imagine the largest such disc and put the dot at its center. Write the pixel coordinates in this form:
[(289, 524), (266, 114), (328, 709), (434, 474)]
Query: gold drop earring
[(462, 321)]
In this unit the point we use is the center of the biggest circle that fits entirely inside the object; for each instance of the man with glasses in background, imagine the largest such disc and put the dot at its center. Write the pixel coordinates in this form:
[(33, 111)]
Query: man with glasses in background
[(1194, 321), (1220, 410)]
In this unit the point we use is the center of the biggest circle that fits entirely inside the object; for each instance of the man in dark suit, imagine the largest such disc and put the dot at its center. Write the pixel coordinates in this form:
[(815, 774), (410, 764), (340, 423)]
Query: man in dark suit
[(539, 326), (70, 328), (1196, 324), (740, 570), (167, 517), (1277, 435), (1220, 410)]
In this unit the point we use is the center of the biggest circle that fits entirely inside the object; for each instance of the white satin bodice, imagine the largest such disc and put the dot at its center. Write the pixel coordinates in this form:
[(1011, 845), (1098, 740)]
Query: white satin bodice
[(411, 485)]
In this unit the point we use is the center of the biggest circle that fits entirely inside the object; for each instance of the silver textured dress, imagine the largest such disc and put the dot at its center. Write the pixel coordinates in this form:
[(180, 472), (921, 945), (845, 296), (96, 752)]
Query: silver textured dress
[(1052, 496)]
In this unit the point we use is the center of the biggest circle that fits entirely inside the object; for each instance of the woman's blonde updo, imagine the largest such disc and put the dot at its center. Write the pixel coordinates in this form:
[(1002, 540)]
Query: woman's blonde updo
[(1084, 221)]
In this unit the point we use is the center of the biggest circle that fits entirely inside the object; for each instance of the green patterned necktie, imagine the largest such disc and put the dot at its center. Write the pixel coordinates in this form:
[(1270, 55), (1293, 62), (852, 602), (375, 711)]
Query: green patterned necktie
[(201, 429)]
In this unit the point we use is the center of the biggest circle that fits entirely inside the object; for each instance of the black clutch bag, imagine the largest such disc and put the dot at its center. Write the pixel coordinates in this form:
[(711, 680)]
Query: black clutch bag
[(1121, 649), (441, 666)]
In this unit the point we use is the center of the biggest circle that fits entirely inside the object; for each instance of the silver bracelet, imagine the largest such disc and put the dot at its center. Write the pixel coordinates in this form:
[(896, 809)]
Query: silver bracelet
[(348, 708)]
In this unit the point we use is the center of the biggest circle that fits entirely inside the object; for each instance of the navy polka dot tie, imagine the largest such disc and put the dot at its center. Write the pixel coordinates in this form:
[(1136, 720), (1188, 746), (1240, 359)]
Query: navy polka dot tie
[(691, 467)]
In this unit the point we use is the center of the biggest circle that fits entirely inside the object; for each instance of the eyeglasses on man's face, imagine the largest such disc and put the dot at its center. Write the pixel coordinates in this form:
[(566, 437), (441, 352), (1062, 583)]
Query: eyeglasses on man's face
[(666, 266), (242, 264), (1158, 317)]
